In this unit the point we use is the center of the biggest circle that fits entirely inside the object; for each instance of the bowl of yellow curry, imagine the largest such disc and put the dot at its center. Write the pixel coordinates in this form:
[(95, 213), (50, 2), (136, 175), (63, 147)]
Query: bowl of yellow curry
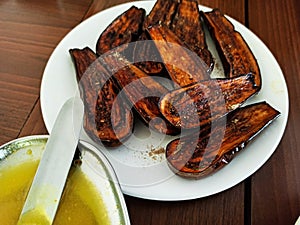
[(92, 194)]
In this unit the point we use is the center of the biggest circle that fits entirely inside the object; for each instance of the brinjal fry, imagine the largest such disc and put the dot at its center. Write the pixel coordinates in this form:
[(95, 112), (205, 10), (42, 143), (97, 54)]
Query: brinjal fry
[(236, 56), (203, 153), (183, 65), (161, 13), (126, 28), (107, 119), (187, 25), (146, 56), (142, 91), (200, 103)]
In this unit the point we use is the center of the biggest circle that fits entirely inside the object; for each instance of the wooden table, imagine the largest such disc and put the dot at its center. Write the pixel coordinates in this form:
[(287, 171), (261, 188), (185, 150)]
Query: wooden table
[(30, 30)]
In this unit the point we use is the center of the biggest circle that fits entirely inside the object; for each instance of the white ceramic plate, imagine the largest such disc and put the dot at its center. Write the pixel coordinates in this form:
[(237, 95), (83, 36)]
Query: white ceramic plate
[(140, 166)]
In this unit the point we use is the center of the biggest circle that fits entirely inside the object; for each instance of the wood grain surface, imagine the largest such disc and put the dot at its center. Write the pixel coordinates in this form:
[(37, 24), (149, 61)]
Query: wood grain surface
[(29, 32)]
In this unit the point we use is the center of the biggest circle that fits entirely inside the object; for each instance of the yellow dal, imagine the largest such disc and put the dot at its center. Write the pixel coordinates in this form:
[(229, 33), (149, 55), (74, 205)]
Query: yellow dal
[(80, 203)]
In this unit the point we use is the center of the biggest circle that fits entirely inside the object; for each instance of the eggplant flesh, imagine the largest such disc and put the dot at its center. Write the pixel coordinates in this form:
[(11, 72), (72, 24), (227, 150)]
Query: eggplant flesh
[(183, 18), (108, 119), (146, 56), (236, 56), (142, 91), (201, 103), (125, 29), (187, 25), (162, 13), (183, 65), (205, 152)]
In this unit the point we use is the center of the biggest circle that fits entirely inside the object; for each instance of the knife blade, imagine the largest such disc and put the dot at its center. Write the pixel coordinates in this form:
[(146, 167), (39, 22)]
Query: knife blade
[(45, 192)]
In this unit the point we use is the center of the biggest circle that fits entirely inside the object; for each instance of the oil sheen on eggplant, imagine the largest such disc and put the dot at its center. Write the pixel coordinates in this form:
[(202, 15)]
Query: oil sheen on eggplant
[(126, 28), (183, 65), (102, 122), (201, 103), (187, 25), (201, 154), (236, 56), (142, 91)]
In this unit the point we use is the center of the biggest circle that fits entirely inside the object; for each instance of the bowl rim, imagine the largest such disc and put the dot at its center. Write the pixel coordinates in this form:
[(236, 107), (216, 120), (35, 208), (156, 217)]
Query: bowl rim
[(111, 174)]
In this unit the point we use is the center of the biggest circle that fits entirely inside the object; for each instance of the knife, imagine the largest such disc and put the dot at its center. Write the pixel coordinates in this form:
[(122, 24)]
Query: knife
[(45, 192)]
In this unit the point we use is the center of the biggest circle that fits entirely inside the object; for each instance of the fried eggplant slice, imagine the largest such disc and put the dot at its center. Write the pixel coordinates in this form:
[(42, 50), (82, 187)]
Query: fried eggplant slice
[(146, 56), (142, 91), (187, 25), (162, 12), (201, 154), (183, 65), (201, 103), (124, 29), (107, 119), (237, 57)]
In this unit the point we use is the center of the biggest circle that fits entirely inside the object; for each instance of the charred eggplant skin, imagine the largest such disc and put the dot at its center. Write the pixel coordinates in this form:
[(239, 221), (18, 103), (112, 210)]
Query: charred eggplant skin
[(126, 28), (104, 123), (187, 25), (237, 57), (202, 102), (202, 154), (142, 91), (183, 65)]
